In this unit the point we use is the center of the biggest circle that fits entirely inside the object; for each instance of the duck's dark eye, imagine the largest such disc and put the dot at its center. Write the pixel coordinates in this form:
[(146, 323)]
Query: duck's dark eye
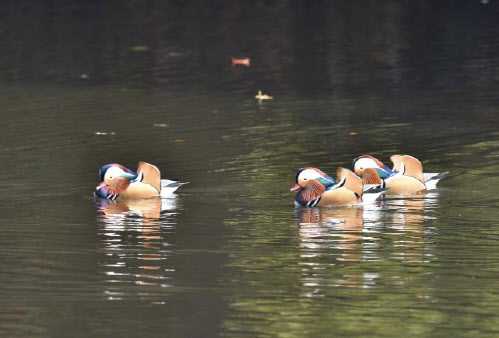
[(305, 179)]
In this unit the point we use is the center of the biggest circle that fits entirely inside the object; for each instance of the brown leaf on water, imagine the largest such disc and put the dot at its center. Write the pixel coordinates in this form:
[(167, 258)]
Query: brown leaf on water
[(353, 133), (177, 140), (243, 62), (139, 48)]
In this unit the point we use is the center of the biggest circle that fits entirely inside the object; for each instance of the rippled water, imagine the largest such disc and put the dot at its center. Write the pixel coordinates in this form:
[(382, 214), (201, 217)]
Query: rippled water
[(86, 85)]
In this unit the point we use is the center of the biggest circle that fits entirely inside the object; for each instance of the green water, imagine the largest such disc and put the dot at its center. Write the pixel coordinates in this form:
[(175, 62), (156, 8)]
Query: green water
[(230, 255)]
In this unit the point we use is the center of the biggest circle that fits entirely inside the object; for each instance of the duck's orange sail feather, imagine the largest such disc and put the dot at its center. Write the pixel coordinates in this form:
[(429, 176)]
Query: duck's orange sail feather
[(352, 181), (150, 174)]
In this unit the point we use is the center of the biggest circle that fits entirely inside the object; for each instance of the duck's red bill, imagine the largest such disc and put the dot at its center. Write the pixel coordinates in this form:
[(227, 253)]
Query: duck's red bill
[(295, 187)]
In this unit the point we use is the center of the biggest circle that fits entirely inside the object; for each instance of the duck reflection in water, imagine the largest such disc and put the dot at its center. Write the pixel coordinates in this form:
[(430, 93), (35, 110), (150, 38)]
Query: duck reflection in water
[(148, 209), (408, 216), (337, 242), (135, 240), (339, 228)]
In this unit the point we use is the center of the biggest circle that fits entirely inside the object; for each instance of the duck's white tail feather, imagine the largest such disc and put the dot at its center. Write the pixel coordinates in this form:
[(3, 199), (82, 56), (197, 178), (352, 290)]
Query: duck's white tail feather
[(168, 187), (431, 179)]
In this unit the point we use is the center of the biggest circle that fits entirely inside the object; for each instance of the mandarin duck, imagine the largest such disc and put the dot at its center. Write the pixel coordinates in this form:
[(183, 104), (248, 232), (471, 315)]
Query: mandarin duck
[(316, 188), (121, 182), (406, 176)]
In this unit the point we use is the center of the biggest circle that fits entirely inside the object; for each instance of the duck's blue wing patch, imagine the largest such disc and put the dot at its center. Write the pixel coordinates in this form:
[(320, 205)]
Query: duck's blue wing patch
[(326, 181), (384, 173)]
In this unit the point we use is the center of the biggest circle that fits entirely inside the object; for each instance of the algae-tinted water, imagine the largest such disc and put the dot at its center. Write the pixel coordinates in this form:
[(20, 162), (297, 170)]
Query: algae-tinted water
[(87, 83)]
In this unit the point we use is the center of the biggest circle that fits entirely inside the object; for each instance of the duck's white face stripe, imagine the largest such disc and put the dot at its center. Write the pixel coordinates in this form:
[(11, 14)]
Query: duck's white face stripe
[(309, 174), (113, 172), (364, 163)]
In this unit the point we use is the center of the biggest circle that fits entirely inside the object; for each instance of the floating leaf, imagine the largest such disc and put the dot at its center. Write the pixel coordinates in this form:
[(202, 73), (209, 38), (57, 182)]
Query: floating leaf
[(161, 125), (103, 133), (260, 96), (242, 62), (140, 48)]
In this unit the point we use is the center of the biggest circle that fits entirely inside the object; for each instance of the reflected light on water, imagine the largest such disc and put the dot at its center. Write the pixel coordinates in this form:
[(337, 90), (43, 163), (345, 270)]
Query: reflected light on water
[(154, 80), (335, 242), (135, 239)]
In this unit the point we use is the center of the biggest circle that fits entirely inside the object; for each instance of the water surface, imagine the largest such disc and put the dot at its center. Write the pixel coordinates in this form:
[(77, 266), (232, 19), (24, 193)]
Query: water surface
[(82, 85)]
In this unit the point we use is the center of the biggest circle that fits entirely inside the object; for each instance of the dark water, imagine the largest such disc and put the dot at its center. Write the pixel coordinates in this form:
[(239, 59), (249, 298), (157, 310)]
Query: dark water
[(230, 256)]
